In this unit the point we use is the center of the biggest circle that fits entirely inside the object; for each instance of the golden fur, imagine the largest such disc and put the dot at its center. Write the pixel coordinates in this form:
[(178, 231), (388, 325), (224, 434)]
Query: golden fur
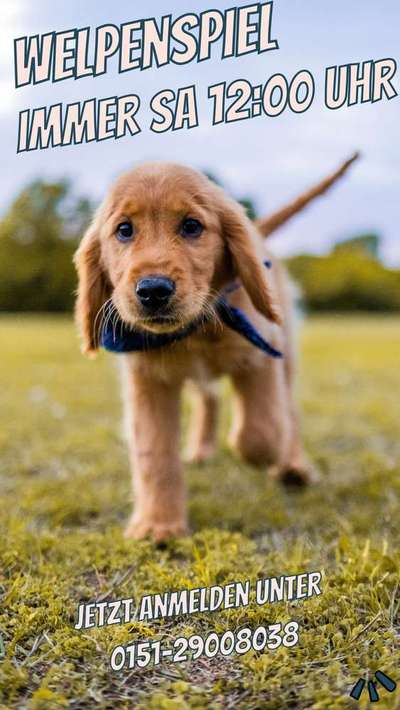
[(156, 198)]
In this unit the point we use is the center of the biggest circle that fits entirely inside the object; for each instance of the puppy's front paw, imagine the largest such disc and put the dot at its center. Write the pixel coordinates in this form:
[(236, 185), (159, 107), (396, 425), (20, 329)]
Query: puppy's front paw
[(140, 528), (296, 476)]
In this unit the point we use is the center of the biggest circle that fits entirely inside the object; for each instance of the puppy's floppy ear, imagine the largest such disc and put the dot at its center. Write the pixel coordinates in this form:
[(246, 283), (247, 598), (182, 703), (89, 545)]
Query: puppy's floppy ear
[(240, 237), (93, 289)]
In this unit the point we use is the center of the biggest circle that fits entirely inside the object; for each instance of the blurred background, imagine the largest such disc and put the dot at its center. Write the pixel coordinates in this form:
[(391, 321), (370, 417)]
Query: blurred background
[(344, 250), (43, 225)]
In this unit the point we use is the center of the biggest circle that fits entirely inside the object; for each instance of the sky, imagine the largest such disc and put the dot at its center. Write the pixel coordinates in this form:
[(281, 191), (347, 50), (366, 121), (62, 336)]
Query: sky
[(268, 159)]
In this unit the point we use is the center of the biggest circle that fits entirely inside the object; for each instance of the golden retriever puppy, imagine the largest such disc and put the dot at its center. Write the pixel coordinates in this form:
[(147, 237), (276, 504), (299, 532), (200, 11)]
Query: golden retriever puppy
[(171, 276)]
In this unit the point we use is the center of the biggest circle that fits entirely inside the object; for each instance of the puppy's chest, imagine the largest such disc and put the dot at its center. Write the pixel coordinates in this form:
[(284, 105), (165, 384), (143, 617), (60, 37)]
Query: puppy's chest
[(216, 354), (202, 357)]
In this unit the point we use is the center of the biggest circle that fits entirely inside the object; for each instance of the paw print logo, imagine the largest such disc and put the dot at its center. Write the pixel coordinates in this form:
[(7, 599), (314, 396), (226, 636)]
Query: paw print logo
[(381, 678)]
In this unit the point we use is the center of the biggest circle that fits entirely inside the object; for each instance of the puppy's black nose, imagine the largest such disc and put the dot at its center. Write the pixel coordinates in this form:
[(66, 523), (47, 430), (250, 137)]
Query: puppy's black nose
[(154, 292)]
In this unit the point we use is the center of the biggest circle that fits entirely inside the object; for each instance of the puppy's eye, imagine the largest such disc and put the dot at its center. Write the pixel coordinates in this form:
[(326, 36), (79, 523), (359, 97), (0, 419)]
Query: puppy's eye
[(191, 228), (124, 232)]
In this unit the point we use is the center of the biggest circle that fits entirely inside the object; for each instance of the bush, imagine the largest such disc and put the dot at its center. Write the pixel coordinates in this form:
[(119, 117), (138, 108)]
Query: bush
[(346, 280)]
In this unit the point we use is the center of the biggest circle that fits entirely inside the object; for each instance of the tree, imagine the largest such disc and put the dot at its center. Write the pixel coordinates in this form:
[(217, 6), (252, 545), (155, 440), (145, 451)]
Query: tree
[(38, 236), (367, 243)]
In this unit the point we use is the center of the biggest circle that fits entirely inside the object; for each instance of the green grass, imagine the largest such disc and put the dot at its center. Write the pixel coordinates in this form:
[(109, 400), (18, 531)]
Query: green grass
[(65, 491)]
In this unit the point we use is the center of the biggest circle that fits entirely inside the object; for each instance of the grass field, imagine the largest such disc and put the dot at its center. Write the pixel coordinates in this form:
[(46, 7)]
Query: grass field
[(65, 496)]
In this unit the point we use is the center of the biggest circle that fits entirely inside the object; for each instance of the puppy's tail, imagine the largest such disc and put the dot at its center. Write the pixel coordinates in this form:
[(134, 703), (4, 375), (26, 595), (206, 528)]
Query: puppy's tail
[(269, 224)]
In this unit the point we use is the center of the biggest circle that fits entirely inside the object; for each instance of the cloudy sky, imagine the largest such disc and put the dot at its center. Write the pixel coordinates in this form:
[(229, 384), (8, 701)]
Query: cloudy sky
[(268, 159)]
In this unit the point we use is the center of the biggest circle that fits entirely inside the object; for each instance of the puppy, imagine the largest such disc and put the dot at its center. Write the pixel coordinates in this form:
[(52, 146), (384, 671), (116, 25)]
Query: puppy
[(168, 259)]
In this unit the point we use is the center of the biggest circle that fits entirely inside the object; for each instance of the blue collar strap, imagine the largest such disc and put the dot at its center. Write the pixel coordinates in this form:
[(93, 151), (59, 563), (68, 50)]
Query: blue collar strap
[(120, 338)]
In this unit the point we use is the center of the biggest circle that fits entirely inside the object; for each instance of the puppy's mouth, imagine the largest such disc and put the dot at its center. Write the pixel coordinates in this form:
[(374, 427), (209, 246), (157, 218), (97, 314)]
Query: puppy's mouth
[(173, 320), (159, 324)]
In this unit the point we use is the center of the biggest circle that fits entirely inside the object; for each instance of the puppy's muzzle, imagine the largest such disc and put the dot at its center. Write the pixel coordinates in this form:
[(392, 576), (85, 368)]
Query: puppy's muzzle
[(154, 293)]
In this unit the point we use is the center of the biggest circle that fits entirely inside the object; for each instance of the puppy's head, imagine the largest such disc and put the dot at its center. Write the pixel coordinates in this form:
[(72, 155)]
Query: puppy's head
[(161, 246)]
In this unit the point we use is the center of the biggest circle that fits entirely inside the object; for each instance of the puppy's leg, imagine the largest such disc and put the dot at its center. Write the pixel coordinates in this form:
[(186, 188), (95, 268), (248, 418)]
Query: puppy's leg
[(266, 428), (261, 427), (153, 421), (202, 435), (296, 469)]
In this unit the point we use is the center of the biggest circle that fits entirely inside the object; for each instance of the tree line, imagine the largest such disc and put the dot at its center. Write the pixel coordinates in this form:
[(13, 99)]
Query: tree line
[(43, 226)]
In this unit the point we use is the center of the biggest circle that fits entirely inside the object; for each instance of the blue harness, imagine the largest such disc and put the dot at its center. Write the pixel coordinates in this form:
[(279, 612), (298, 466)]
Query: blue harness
[(120, 338)]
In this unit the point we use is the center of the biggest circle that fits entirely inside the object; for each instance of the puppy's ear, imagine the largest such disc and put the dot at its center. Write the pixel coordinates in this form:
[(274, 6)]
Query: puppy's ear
[(93, 290), (240, 237)]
